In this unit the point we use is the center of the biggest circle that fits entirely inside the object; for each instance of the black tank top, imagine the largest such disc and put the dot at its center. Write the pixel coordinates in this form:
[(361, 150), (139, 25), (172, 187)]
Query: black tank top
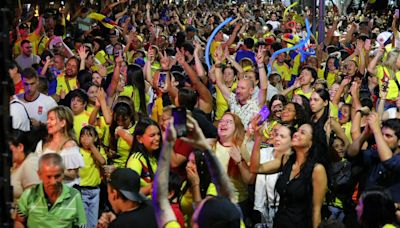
[(295, 204)]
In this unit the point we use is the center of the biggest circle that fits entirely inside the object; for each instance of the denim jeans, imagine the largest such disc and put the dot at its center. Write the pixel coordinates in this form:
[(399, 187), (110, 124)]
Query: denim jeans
[(337, 213), (91, 199)]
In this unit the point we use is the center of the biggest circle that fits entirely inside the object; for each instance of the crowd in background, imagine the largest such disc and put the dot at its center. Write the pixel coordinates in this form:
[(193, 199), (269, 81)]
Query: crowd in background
[(119, 122)]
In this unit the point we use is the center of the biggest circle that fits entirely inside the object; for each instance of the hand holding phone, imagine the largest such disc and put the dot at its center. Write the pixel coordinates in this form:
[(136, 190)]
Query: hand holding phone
[(264, 113), (179, 115), (161, 80)]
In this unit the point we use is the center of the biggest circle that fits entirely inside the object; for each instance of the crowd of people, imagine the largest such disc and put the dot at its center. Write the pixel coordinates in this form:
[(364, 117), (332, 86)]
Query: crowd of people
[(119, 122)]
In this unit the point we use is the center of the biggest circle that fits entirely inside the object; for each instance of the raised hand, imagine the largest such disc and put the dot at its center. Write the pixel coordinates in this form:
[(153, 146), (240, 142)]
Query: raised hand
[(82, 52), (165, 61), (218, 55), (180, 56), (260, 55), (102, 70)]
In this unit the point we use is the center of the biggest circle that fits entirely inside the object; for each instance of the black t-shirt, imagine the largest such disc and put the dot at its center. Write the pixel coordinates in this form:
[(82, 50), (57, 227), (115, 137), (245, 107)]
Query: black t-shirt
[(143, 216)]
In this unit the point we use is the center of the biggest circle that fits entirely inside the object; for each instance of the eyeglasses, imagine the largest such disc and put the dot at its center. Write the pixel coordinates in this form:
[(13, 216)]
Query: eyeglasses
[(225, 122)]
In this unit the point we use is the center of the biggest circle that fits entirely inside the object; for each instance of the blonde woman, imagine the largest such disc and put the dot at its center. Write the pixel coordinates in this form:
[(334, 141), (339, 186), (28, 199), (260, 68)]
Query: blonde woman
[(61, 139), (387, 73), (231, 152)]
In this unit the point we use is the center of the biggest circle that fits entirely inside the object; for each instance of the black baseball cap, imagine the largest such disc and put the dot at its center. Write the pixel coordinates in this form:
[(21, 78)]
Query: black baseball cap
[(127, 182), (219, 211)]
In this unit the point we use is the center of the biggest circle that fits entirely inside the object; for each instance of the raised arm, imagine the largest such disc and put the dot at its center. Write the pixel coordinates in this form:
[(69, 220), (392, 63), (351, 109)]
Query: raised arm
[(384, 151), (269, 167), (199, 66), (355, 147), (262, 75), (199, 86), (338, 94), (372, 64), (115, 78), (218, 56), (163, 209), (218, 175)]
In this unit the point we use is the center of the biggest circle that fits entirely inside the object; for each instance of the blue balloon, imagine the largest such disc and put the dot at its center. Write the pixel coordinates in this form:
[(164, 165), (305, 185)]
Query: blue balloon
[(300, 45), (213, 34)]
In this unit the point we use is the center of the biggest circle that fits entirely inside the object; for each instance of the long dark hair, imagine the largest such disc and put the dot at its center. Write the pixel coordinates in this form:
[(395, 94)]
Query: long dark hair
[(319, 124), (140, 129), (336, 63), (378, 208), (121, 109), (135, 78), (205, 177), (301, 115)]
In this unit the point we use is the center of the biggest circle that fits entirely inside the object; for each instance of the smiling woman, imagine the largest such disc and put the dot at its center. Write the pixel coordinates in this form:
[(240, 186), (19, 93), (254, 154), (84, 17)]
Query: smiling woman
[(61, 139), (145, 151)]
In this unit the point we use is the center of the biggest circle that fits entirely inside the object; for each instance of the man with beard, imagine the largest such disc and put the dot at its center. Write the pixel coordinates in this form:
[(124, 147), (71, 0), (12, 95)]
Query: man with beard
[(37, 104), (27, 58), (51, 203), (67, 81)]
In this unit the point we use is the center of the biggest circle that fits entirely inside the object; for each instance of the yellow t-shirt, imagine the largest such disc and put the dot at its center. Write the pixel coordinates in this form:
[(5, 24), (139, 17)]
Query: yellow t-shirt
[(101, 56), (123, 149), (299, 91), (296, 65), (133, 93), (393, 90), (90, 173), (347, 131), (221, 103), (137, 162), (213, 48), (172, 224), (62, 84), (283, 70), (239, 187), (187, 201), (157, 109), (333, 111), (33, 38), (80, 121), (42, 45)]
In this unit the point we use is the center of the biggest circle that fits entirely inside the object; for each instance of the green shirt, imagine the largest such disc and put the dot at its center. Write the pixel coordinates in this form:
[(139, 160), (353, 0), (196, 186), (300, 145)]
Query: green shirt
[(67, 211)]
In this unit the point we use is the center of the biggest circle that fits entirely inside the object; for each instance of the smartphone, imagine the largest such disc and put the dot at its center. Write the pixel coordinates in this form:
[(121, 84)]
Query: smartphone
[(397, 13), (264, 113), (161, 79), (179, 115)]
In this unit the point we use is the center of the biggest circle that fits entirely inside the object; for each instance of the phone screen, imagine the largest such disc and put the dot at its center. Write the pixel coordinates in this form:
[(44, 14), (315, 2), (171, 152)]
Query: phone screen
[(397, 13), (264, 113), (179, 115), (161, 80)]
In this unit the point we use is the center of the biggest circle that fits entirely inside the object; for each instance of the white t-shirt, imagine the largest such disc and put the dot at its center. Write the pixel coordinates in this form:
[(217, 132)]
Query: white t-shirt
[(265, 184), (275, 24), (38, 108), (71, 156), (20, 118)]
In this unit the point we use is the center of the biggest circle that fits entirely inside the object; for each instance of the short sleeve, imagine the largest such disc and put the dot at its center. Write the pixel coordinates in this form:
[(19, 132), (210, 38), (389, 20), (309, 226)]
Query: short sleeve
[(392, 164), (22, 209), (80, 211), (72, 158), (232, 99), (172, 224), (29, 173), (134, 164), (379, 72)]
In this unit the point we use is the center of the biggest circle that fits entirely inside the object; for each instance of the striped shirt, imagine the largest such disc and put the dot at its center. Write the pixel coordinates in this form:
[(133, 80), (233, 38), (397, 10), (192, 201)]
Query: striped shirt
[(67, 211)]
